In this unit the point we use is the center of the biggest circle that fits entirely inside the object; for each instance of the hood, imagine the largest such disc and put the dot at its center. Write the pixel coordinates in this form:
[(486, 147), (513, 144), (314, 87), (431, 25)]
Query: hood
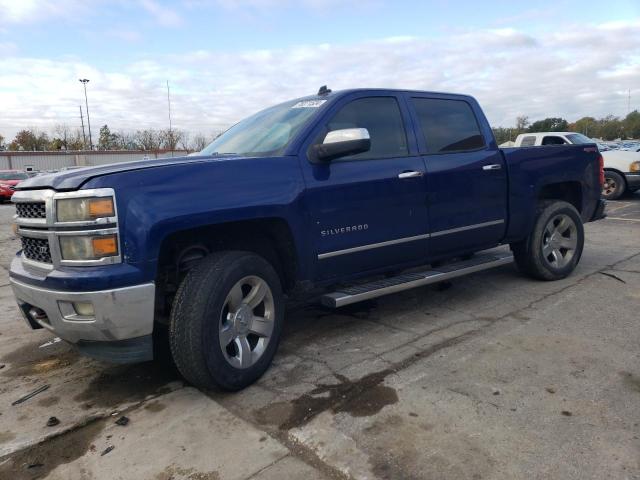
[(11, 182), (74, 179)]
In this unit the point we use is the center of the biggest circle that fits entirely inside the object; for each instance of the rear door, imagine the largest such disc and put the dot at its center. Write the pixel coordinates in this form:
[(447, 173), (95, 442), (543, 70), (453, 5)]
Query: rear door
[(466, 175), (367, 211)]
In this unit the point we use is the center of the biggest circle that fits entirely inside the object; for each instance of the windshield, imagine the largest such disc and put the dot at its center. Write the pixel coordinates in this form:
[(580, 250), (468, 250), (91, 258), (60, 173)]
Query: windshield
[(13, 176), (267, 132), (578, 138)]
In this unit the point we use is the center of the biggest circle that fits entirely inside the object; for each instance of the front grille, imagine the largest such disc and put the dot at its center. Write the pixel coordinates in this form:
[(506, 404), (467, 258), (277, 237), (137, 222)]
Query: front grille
[(31, 210), (36, 249)]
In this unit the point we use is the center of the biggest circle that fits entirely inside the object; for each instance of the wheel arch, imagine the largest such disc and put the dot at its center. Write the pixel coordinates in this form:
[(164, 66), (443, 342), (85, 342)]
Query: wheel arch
[(181, 250), (568, 191)]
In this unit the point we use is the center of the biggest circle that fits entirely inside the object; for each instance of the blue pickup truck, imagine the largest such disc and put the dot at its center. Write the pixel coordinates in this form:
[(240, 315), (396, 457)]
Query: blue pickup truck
[(338, 197)]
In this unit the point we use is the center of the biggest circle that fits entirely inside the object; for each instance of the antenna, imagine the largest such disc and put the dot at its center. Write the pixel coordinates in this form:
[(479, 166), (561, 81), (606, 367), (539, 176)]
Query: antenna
[(324, 90)]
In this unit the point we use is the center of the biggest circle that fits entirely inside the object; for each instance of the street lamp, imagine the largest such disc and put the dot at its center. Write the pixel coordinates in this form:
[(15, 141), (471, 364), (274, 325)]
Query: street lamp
[(84, 82)]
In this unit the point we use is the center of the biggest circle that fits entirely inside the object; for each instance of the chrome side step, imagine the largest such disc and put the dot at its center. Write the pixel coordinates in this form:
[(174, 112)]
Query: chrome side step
[(406, 281)]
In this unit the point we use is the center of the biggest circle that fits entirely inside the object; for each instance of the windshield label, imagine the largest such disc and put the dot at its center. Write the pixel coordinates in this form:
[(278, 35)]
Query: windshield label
[(309, 104)]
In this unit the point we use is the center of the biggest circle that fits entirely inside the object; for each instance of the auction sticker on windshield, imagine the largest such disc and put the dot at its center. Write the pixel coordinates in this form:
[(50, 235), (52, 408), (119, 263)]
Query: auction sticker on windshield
[(309, 104)]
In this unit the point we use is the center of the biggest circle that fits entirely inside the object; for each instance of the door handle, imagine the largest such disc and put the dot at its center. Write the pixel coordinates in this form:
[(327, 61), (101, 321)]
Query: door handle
[(495, 166), (410, 174)]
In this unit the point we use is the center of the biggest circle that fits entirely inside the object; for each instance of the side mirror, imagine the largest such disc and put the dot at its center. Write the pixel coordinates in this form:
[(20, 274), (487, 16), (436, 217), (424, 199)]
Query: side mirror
[(341, 143)]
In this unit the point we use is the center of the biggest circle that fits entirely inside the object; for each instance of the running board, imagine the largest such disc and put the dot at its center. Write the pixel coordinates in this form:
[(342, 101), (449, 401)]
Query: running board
[(406, 281)]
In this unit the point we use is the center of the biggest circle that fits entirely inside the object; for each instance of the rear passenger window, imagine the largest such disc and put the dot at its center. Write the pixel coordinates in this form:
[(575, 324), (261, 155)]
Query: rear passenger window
[(382, 118), (553, 140), (448, 125), (528, 141)]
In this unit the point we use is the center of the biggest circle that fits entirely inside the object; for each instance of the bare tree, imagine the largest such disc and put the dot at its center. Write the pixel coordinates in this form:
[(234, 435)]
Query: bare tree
[(127, 141), (169, 138), (184, 141), (199, 142), (148, 139), (522, 122)]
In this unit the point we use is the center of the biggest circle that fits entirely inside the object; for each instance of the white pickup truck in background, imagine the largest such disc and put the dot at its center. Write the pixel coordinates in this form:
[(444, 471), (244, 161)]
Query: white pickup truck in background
[(621, 168)]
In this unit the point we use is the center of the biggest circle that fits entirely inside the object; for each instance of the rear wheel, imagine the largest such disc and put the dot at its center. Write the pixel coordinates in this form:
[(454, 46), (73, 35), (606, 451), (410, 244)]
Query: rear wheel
[(554, 247), (226, 321), (614, 185)]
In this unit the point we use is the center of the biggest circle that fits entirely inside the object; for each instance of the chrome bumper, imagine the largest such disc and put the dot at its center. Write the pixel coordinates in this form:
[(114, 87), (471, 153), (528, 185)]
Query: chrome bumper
[(120, 314)]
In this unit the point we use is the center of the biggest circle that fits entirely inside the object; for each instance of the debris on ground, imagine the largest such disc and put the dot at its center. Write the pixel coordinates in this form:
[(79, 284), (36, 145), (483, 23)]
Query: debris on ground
[(566, 413), (496, 391), (550, 390), (122, 421), (107, 450), (2, 366), (31, 395), (611, 275), (53, 421)]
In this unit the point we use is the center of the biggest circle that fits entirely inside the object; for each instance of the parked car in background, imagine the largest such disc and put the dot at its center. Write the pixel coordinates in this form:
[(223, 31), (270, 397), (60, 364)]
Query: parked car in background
[(8, 181), (6, 191), (12, 177), (621, 168)]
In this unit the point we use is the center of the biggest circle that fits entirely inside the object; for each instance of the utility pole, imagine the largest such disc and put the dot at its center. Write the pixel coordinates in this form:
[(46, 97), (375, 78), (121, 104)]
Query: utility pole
[(170, 130), (84, 82), (84, 136)]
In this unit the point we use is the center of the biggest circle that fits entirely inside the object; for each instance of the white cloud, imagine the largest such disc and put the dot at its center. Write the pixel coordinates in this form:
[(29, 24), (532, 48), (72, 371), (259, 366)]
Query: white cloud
[(26, 11), (164, 16), (581, 70)]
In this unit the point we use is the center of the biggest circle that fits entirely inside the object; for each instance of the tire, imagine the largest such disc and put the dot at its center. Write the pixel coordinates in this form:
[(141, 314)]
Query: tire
[(216, 305), (554, 247), (614, 185)]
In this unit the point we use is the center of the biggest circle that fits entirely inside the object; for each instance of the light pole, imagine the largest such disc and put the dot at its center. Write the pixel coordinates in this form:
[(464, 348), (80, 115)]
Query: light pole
[(84, 82)]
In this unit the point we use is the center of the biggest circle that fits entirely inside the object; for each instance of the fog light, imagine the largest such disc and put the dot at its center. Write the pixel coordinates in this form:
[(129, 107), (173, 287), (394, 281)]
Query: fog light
[(84, 309)]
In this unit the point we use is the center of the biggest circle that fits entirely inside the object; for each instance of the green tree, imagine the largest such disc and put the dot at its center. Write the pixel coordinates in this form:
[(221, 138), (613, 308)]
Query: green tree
[(610, 127), (1, 143), (107, 140), (29, 139), (587, 126), (631, 125), (551, 124)]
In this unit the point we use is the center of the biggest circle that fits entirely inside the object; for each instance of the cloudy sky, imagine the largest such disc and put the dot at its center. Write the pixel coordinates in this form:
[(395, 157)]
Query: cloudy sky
[(225, 59)]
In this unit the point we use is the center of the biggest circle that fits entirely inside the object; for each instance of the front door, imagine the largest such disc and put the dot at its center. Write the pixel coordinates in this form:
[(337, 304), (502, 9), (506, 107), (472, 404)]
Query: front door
[(367, 211), (466, 176)]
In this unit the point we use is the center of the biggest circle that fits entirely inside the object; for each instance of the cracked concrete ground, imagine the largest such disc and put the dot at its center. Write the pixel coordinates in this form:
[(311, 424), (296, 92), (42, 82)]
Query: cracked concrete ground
[(496, 377)]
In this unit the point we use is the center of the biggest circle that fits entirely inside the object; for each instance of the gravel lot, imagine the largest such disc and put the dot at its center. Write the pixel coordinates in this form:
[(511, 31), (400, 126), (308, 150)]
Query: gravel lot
[(496, 377)]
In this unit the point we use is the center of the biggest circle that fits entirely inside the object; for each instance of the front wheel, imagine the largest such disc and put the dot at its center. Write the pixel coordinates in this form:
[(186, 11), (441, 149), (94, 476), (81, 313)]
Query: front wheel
[(614, 185), (226, 321), (554, 247)]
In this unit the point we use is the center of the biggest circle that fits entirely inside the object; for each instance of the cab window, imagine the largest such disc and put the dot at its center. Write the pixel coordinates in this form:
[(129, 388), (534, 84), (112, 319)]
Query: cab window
[(553, 140), (381, 116), (448, 126)]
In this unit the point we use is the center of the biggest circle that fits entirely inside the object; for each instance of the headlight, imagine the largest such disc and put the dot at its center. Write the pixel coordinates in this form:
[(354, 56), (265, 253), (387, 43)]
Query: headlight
[(88, 247), (634, 167), (84, 209)]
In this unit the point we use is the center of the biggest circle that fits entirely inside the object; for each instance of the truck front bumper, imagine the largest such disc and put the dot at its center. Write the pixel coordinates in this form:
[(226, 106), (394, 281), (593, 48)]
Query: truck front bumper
[(119, 330), (633, 180)]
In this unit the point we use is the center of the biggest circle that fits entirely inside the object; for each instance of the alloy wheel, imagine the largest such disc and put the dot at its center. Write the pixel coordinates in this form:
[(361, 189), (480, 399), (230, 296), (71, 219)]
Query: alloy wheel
[(246, 322)]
